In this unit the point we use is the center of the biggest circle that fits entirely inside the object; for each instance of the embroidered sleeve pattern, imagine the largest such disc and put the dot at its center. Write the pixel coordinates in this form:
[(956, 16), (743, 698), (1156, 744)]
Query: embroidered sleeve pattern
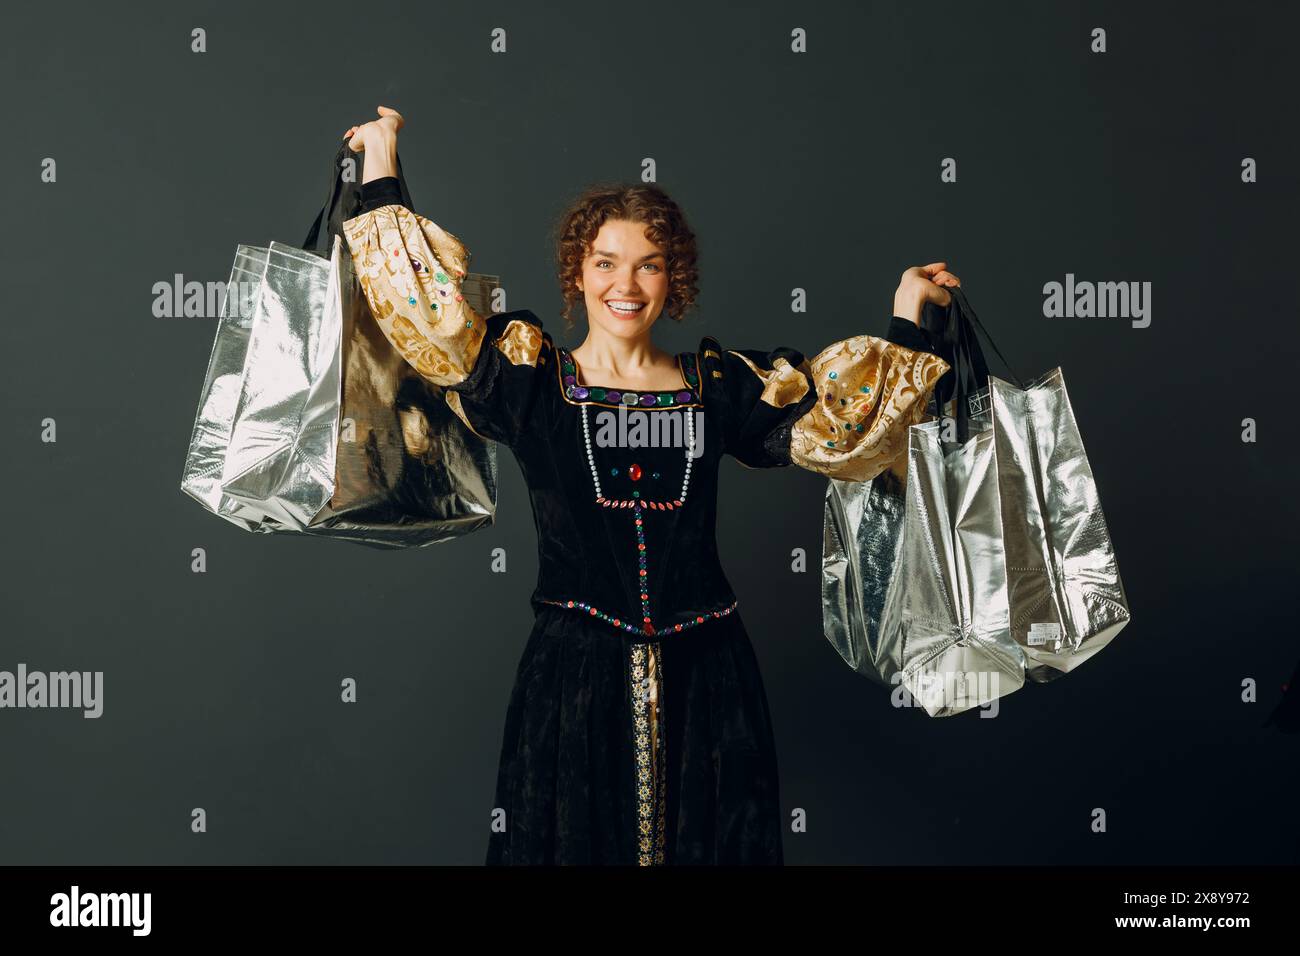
[(411, 271), (870, 391)]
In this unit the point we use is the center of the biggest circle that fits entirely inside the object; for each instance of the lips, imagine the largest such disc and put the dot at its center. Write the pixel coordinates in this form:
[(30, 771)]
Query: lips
[(624, 313)]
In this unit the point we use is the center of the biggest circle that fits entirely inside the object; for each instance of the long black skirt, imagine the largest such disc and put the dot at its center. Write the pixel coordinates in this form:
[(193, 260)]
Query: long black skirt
[(626, 753)]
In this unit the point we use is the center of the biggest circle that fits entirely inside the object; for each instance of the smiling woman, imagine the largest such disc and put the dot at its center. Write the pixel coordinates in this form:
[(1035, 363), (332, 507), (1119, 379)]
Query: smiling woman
[(638, 728)]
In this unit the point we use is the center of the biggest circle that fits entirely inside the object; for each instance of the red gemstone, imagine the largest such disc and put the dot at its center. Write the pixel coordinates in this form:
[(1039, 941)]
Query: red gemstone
[(648, 629), (634, 472)]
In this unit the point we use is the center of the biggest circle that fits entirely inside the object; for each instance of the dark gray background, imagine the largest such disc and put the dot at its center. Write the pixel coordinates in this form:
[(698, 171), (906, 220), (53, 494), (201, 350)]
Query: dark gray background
[(820, 171)]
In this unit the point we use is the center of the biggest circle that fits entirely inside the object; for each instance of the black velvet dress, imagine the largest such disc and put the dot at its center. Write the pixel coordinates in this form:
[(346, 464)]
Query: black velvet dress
[(638, 730)]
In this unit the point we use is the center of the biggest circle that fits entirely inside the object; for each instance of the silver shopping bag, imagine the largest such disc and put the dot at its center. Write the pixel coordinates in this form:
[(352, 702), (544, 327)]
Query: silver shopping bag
[(311, 422), (332, 432), (983, 558), (201, 478), (914, 575), (1067, 598)]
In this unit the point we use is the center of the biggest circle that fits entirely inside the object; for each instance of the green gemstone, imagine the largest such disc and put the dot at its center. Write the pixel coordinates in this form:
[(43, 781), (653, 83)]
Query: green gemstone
[(636, 494), (598, 394), (866, 388), (830, 444), (665, 398), (441, 277), (835, 374)]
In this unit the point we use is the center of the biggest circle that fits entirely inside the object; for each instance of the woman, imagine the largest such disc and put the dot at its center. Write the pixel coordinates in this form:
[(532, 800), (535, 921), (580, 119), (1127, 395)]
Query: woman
[(638, 729)]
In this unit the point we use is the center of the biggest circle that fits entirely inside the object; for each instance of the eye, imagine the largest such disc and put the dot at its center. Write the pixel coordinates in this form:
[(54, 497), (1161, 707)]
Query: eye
[(653, 266), (603, 262)]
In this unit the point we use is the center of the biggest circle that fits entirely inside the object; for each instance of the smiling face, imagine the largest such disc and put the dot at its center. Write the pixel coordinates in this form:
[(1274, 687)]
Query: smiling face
[(624, 279)]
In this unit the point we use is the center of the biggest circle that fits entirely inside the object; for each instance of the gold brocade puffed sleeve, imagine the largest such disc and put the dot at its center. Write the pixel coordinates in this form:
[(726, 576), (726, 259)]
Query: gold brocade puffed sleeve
[(843, 414), (870, 391), (411, 270)]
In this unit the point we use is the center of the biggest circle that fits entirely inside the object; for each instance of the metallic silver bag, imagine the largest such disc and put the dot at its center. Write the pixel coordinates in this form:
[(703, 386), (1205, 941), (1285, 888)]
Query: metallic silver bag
[(330, 431), (914, 587), (311, 422), (221, 390), (975, 563), (1067, 598)]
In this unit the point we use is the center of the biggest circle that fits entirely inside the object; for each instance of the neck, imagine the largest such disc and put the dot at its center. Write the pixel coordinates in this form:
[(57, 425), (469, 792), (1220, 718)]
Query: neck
[(617, 354)]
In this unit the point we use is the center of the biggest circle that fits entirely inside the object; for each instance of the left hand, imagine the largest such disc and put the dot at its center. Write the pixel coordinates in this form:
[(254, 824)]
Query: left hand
[(922, 284)]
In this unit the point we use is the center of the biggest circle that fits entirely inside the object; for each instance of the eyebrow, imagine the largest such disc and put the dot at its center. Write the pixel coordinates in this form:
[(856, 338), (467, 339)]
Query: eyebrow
[(611, 255)]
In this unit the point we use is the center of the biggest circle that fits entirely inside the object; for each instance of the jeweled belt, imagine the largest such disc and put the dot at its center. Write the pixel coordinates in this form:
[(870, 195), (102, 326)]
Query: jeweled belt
[(646, 628)]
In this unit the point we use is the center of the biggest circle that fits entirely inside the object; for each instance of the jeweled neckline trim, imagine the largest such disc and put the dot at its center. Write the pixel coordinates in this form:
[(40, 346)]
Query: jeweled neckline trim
[(577, 393)]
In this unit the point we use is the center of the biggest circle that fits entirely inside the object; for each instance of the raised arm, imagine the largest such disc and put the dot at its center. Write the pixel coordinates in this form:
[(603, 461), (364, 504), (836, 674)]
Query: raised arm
[(411, 270), (845, 412)]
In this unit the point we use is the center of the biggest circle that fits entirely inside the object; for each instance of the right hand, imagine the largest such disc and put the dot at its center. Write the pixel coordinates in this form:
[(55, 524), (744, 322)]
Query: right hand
[(382, 130), (922, 284)]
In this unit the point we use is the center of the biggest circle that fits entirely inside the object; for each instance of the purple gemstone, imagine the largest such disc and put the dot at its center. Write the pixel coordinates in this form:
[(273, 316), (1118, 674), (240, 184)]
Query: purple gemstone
[(570, 380), (580, 393), (648, 400), (613, 396), (684, 396)]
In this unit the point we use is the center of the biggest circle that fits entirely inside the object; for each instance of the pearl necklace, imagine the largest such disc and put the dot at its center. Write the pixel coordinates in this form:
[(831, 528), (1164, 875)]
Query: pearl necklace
[(636, 501)]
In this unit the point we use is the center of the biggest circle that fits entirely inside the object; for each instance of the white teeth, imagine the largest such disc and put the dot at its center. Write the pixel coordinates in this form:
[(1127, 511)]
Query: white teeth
[(627, 307)]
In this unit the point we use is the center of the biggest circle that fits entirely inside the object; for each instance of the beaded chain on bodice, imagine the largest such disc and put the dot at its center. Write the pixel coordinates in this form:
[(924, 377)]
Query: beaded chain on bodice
[(640, 505)]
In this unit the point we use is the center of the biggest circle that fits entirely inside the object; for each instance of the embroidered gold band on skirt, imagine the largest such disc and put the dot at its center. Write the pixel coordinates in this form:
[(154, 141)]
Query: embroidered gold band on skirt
[(646, 688)]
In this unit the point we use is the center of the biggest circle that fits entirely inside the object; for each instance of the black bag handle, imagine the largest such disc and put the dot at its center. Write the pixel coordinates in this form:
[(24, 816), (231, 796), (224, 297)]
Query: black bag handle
[(343, 202), (959, 345)]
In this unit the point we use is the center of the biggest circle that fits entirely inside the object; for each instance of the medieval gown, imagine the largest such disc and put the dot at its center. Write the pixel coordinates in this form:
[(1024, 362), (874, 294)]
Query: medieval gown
[(637, 731)]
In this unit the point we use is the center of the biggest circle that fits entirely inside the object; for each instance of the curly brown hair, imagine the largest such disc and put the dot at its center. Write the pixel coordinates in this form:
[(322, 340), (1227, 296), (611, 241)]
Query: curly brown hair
[(636, 202)]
